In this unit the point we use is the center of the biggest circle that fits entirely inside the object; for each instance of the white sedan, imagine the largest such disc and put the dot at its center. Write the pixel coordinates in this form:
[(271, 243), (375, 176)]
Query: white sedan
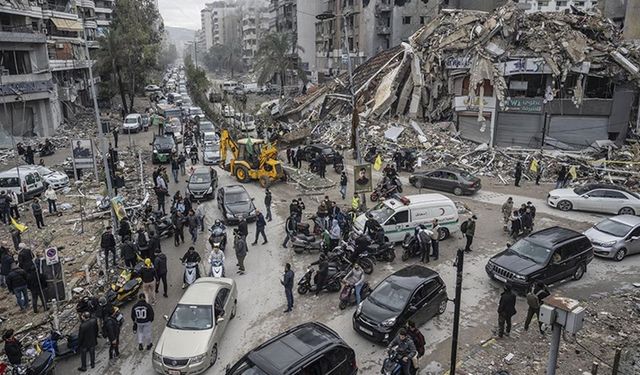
[(604, 198), (54, 178)]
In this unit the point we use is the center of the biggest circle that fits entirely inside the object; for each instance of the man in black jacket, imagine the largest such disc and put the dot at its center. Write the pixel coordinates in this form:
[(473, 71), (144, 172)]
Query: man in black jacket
[(343, 184), (35, 282), (287, 282), (267, 203), (87, 340), (506, 310), (178, 224), (243, 230), (160, 264), (291, 226), (154, 245), (535, 298), (6, 260), (260, 225), (112, 331), (12, 347), (128, 252), (25, 257), (148, 275), (108, 245), (142, 316), (17, 284), (125, 229)]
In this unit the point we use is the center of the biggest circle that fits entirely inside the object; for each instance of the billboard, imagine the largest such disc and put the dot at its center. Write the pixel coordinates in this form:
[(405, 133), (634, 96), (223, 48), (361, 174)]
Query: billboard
[(82, 150), (362, 178)]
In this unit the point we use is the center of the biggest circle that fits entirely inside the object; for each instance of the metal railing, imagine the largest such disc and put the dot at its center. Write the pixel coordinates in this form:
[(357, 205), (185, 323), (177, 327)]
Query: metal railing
[(19, 29)]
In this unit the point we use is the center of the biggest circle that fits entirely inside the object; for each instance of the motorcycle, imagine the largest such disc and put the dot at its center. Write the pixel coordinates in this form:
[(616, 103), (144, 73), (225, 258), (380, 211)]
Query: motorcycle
[(406, 160), (386, 189), (318, 227), (332, 284), (126, 286), (161, 224), (60, 345), (218, 237), (382, 252), (348, 295), (345, 255), (190, 272), (46, 151), (42, 364), (217, 268), (411, 247), (302, 242), (392, 365)]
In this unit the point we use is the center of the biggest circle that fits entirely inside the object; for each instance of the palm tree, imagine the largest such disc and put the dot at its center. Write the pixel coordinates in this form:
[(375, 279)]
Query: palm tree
[(274, 57)]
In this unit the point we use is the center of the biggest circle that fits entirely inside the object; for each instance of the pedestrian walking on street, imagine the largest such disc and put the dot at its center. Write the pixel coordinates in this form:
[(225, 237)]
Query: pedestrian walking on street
[(111, 329), (142, 317), (343, 184), (267, 203), (16, 237), (108, 245), (5, 207), (518, 173), (535, 298), (36, 208), (178, 228), (87, 340), (355, 202), (175, 167), (506, 310), (260, 225), (125, 229), (424, 240), (435, 239), (129, 253), (290, 228), (13, 205), (200, 215), (468, 228), (12, 347), (562, 176), (194, 225), (506, 209), (298, 158), (243, 228), (36, 282), (142, 242), (539, 172), (287, 282), (289, 152), (182, 162), (28, 155), (160, 264), (18, 285), (240, 246), (25, 257), (51, 197), (115, 131), (6, 261), (149, 280)]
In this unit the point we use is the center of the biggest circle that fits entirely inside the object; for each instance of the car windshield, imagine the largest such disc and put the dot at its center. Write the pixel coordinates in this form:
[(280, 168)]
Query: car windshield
[(390, 296), (130, 120), (163, 142), (200, 178), (381, 213), (191, 318), (206, 126), (613, 228), (211, 148), (529, 250), (237, 198), (327, 151)]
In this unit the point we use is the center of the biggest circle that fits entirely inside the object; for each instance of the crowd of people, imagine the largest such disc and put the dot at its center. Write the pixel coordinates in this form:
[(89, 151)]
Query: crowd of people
[(518, 221)]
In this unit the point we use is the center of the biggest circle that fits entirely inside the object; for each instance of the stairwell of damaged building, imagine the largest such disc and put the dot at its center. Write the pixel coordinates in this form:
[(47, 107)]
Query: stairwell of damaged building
[(44, 78)]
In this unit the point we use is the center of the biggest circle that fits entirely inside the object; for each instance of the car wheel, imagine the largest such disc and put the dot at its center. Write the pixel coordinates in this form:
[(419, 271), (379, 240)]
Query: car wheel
[(443, 234), (214, 355), (335, 286), (626, 211), (620, 254), (457, 191), (579, 272), (565, 205), (235, 307), (418, 184), (442, 307), (392, 256)]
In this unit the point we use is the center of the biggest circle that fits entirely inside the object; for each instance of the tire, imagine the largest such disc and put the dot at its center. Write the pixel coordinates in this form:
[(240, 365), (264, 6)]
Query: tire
[(214, 355), (457, 191), (235, 307), (405, 256), (367, 265), (342, 305), (302, 289), (418, 184), (374, 196), (443, 234), (564, 205), (399, 188), (242, 174), (579, 272), (442, 307), (335, 286), (391, 256), (620, 254), (626, 211)]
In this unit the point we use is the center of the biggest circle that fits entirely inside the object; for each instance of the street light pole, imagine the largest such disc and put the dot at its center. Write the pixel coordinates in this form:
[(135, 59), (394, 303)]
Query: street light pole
[(456, 313)]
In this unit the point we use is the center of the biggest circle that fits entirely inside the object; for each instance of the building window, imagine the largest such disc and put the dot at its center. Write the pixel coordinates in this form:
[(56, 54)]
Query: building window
[(16, 62), (422, 20), (406, 20)]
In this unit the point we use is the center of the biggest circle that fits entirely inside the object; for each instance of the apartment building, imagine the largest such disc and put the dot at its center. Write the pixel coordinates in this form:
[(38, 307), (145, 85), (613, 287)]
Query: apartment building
[(206, 26), (221, 23), (371, 26)]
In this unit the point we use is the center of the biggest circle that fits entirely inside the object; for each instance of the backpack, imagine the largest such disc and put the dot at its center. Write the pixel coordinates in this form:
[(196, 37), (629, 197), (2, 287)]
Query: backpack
[(464, 226)]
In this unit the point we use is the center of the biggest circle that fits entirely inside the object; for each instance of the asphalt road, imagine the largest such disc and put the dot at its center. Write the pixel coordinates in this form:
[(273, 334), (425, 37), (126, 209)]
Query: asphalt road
[(261, 298)]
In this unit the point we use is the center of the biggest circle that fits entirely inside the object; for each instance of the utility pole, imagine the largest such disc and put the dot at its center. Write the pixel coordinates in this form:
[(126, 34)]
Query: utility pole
[(456, 313)]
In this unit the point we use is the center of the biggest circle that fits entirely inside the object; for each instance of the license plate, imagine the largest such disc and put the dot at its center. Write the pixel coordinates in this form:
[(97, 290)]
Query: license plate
[(174, 372), (368, 332), (500, 278)]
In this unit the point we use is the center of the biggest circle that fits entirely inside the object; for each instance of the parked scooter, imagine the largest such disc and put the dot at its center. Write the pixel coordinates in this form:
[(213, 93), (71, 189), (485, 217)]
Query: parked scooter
[(126, 286), (302, 242), (382, 252), (348, 295), (161, 224), (217, 268), (42, 364), (392, 365), (332, 284), (344, 255)]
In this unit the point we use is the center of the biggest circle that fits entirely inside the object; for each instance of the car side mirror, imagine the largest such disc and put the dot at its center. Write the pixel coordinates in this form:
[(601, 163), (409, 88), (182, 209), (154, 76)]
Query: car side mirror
[(220, 320), (634, 238), (166, 317), (585, 196)]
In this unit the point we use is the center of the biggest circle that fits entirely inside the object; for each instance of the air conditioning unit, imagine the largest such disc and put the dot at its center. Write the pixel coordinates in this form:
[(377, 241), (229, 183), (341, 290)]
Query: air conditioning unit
[(59, 46)]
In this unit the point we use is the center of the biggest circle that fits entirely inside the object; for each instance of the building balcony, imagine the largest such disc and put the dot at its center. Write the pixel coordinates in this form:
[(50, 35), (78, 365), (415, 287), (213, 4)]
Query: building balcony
[(25, 78), (383, 30), (246, 28), (89, 4), (383, 8), (59, 65), (90, 24), (21, 34), (104, 10), (93, 44), (103, 22)]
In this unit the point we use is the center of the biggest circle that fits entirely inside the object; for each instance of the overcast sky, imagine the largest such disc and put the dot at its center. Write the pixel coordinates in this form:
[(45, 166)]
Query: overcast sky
[(182, 13)]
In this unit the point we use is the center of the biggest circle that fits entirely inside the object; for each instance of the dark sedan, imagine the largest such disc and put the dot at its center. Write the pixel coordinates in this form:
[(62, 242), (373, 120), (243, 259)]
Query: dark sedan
[(452, 180), (414, 293), (309, 152), (202, 183), (236, 204)]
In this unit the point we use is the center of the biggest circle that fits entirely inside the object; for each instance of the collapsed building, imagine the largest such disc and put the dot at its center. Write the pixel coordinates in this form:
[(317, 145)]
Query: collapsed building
[(506, 78)]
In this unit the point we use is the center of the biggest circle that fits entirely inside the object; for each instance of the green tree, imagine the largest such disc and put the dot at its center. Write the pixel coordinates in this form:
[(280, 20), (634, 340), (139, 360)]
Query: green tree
[(225, 57), (274, 57)]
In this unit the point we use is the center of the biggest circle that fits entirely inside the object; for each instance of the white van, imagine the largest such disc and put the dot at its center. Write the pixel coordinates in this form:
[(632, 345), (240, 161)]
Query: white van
[(229, 86), (28, 183), (399, 217)]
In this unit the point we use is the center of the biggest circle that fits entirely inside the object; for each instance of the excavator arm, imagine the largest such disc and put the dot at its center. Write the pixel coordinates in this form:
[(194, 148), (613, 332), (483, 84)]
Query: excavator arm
[(226, 143)]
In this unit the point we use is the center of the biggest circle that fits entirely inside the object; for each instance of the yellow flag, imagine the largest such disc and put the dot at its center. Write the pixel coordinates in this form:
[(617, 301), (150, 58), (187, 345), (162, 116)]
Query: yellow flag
[(18, 226), (573, 173), (378, 163), (534, 166)]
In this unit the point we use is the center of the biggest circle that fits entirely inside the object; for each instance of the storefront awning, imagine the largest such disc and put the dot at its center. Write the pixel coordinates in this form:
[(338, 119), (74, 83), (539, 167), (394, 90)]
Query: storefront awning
[(67, 25)]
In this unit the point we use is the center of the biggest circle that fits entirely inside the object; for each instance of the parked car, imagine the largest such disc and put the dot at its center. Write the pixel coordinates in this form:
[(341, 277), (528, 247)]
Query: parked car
[(151, 89), (51, 178), (310, 151), (597, 198), (162, 148), (189, 342), (310, 348), (414, 293), (210, 153), (549, 255), (132, 123), (195, 111), (235, 203), (615, 237), (173, 127), (25, 183), (202, 183), (453, 180)]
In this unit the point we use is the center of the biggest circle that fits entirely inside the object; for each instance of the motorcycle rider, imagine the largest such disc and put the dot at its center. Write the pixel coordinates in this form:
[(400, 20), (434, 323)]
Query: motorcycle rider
[(418, 340), (322, 274), (335, 233), (405, 348), (87, 304), (47, 147), (371, 226), (355, 278), (220, 226), (191, 256), (216, 255)]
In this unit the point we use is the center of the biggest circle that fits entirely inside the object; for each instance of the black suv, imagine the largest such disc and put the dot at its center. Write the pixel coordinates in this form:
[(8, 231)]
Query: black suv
[(309, 152), (549, 255), (163, 147), (236, 204), (310, 348)]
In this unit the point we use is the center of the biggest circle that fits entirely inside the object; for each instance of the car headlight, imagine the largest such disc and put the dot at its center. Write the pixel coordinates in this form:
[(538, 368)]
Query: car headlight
[(609, 244), (157, 357), (209, 190), (519, 277), (199, 358), (389, 322), (155, 151), (359, 309), (230, 215)]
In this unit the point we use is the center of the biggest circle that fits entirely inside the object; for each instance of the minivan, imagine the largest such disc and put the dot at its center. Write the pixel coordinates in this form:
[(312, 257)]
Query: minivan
[(401, 216), (310, 348), (27, 183), (132, 123)]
